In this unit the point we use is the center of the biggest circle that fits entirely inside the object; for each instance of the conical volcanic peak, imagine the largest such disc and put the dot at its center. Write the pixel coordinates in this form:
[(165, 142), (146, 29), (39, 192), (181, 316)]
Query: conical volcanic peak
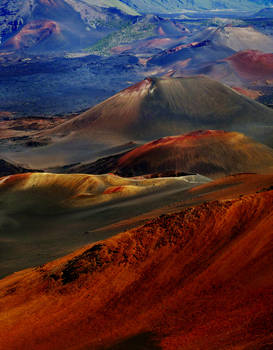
[(210, 152), (159, 107)]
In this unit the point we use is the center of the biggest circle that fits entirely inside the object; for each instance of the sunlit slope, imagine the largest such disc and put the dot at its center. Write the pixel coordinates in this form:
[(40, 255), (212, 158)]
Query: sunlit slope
[(46, 193), (210, 152), (237, 38), (198, 279)]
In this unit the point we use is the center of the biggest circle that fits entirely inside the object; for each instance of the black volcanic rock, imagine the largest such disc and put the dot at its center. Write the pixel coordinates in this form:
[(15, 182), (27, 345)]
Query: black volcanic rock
[(8, 168)]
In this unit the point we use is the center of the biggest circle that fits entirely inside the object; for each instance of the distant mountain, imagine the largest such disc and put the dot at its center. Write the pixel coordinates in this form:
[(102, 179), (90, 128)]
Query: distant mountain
[(264, 13), (145, 27), (71, 23), (225, 54), (237, 38), (161, 6)]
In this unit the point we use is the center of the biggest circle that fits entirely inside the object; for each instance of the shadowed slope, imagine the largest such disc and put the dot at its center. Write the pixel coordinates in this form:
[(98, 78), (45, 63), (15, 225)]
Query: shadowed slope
[(211, 153), (9, 168), (225, 188), (44, 216), (199, 279)]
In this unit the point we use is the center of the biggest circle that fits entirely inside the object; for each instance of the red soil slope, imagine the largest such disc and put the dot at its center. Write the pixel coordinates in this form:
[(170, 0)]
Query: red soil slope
[(254, 94), (161, 43), (209, 152), (199, 279), (253, 64), (32, 34), (225, 188)]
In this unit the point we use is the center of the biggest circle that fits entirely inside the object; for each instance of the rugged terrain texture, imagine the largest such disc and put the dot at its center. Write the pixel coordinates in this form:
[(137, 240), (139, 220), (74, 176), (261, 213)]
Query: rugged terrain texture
[(198, 279), (29, 24)]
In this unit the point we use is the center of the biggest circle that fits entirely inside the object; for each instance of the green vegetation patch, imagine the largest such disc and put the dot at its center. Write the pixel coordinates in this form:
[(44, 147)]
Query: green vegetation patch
[(113, 3), (126, 35)]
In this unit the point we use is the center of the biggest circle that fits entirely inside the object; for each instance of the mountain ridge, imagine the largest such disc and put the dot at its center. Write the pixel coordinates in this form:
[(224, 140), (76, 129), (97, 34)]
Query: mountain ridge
[(178, 5), (78, 21)]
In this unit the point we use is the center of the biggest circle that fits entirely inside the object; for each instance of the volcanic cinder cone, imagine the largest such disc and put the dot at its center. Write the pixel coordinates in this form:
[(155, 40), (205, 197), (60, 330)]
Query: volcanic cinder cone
[(211, 153), (153, 108)]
